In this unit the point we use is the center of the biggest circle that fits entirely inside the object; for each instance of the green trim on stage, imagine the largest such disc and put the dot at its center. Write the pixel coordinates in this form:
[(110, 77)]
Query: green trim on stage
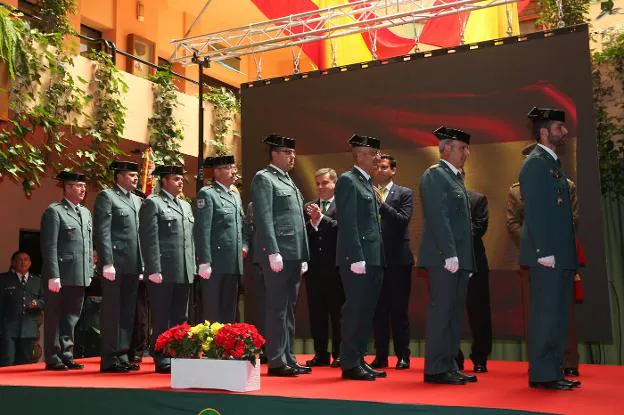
[(91, 401)]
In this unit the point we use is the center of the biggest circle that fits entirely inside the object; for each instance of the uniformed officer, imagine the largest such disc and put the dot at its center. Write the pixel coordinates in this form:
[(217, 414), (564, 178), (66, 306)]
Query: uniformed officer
[(281, 249), (116, 228), (67, 254), (166, 235), (219, 241), (447, 251), (548, 249), (359, 254), (21, 303)]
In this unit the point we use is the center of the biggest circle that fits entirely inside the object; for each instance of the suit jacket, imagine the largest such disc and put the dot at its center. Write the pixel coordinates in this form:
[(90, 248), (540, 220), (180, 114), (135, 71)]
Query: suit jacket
[(548, 227), (166, 235), (17, 320), (116, 226), (396, 213), (447, 230), (278, 217), (357, 212), (479, 214), (67, 244), (219, 232), (515, 210), (323, 240)]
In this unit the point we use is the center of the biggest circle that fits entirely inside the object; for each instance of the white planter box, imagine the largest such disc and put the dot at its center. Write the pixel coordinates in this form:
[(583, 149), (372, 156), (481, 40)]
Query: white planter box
[(231, 375)]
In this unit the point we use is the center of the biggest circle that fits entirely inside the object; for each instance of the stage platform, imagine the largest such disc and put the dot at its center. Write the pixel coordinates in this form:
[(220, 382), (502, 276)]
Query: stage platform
[(29, 389)]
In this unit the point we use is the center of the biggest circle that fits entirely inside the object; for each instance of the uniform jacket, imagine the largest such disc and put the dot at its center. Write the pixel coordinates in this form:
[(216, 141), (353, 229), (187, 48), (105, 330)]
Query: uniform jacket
[(67, 244), (447, 230), (357, 212), (17, 320), (116, 226), (278, 217), (166, 236)]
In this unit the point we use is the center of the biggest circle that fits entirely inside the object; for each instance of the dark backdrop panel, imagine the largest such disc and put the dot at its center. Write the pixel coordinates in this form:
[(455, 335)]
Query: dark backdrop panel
[(486, 91)]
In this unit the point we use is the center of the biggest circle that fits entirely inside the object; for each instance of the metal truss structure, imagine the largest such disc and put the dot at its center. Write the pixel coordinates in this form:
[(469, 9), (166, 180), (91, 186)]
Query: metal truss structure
[(328, 23)]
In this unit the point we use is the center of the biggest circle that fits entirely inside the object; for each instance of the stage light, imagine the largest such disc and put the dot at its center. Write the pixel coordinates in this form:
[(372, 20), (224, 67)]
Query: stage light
[(140, 11)]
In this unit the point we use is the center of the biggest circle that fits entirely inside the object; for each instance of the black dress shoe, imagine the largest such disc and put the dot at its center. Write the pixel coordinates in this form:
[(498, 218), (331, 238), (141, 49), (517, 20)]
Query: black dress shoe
[(115, 368), (56, 366), (467, 378), (379, 363), (480, 368), (571, 372), (318, 360), (551, 385), (447, 378), (135, 359), (282, 371), (573, 383), (299, 369), (73, 365), (357, 373), (335, 362), (163, 369), (131, 366), (403, 364), (376, 373)]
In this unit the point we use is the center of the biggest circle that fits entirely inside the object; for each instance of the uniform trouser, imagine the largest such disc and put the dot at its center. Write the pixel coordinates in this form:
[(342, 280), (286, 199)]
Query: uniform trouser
[(445, 318), (325, 299), (479, 318), (119, 298), (169, 307), (571, 355), (62, 312), (358, 312), (15, 350), (220, 297), (282, 289), (392, 312), (551, 294), (140, 332)]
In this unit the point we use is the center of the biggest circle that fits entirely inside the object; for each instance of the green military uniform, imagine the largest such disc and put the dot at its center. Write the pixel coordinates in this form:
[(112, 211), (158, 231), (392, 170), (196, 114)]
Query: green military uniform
[(279, 229), (67, 253), (219, 241), (19, 324), (548, 230), (447, 233), (166, 237), (359, 239), (116, 229)]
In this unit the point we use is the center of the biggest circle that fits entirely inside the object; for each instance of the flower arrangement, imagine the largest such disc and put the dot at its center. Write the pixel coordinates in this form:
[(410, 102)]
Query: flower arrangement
[(239, 341)]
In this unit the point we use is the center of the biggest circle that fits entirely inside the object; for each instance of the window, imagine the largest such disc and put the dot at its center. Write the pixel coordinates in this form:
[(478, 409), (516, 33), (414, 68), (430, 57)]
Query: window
[(86, 46)]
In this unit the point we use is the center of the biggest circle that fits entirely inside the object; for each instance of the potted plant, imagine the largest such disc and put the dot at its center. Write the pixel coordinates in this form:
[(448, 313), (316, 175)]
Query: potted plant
[(213, 356)]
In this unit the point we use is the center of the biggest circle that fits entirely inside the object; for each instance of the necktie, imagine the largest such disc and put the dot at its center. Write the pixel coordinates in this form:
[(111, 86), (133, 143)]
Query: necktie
[(23, 279), (324, 205), (78, 213), (384, 193)]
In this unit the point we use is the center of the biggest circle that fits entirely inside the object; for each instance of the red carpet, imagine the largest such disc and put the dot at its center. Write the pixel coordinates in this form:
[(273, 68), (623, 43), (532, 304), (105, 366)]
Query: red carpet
[(504, 387)]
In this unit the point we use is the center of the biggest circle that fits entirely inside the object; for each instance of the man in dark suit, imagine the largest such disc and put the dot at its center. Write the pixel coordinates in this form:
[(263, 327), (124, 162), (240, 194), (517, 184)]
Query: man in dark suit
[(395, 208), (360, 256), (281, 249), (323, 284), (166, 235), (220, 241), (548, 249), (67, 253), (446, 250), (116, 228), (478, 297), (21, 303)]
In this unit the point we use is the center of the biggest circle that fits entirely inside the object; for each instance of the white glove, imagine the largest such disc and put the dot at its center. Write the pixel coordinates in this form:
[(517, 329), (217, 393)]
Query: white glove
[(205, 271), (54, 285), (109, 272), (304, 267), (451, 264), (547, 261), (140, 277), (156, 278), (358, 267), (276, 262)]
